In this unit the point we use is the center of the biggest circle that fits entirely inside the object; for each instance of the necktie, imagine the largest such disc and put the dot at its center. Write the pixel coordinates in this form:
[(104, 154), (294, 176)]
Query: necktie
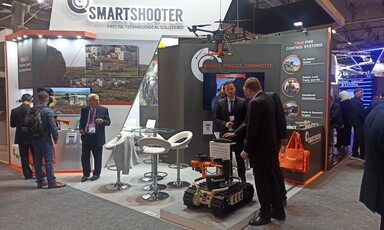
[(91, 117), (231, 106)]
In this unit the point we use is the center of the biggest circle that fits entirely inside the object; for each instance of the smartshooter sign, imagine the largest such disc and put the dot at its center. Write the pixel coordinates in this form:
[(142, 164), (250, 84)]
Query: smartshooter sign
[(137, 17)]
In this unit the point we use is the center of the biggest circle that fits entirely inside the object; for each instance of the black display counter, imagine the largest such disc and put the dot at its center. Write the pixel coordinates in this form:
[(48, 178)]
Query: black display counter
[(313, 140)]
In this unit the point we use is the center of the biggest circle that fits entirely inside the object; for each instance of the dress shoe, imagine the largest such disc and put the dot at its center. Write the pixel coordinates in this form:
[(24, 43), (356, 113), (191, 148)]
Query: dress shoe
[(42, 184), (259, 221), (56, 185), (280, 217), (95, 177), (84, 179)]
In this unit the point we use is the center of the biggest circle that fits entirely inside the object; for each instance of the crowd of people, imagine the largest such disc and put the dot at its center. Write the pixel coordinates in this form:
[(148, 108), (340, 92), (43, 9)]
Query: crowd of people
[(347, 113), (93, 120)]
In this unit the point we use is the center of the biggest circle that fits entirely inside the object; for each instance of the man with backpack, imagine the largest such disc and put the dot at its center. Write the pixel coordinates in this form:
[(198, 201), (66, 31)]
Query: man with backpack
[(42, 134), (22, 138)]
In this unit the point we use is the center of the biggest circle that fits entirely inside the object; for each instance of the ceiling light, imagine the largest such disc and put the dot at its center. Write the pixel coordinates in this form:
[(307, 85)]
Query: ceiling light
[(333, 31), (78, 37), (40, 1), (349, 43), (59, 36), (40, 36), (6, 4), (25, 36), (298, 24), (19, 38)]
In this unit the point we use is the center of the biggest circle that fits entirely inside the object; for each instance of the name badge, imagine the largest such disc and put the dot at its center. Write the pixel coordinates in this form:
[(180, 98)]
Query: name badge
[(92, 128), (231, 118)]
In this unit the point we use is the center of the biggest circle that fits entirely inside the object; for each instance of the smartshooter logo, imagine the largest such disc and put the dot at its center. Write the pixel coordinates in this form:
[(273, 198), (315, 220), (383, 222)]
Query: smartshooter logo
[(78, 6), (128, 14)]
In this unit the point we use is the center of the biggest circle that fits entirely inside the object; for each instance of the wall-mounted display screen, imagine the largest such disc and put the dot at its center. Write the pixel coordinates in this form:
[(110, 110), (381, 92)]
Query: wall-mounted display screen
[(213, 81), (67, 100)]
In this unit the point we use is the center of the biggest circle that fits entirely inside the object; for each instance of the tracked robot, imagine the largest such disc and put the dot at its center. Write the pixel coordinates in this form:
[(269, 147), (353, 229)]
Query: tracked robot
[(222, 193)]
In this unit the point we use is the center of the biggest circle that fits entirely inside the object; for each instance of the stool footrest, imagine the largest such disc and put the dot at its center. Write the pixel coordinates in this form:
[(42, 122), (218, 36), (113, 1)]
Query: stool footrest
[(175, 166)]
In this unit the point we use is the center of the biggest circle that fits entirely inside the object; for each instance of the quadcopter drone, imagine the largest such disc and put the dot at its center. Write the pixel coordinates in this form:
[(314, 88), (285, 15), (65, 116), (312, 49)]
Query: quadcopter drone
[(220, 37)]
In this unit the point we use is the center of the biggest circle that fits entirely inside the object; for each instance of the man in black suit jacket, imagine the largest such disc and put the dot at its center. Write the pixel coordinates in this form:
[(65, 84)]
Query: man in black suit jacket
[(372, 185), (21, 138), (375, 103), (93, 120), (358, 124), (261, 147), (230, 113)]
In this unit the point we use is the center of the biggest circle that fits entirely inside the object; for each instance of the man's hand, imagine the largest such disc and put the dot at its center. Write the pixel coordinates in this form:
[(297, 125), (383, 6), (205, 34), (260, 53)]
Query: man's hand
[(82, 132), (229, 124), (244, 155), (229, 135), (99, 120)]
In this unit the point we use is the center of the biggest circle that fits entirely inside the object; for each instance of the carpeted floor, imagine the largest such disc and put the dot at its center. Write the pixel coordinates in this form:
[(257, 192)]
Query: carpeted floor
[(22, 206), (330, 203)]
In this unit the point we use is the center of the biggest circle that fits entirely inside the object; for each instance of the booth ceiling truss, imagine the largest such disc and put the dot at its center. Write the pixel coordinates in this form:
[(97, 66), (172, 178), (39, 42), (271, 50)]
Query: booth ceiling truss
[(363, 26)]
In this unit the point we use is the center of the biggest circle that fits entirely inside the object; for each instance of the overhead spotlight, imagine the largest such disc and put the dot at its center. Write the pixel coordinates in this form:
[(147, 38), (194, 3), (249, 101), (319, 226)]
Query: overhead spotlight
[(19, 38), (349, 43), (78, 37), (40, 36), (298, 24), (40, 1), (6, 4), (59, 36), (333, 31)]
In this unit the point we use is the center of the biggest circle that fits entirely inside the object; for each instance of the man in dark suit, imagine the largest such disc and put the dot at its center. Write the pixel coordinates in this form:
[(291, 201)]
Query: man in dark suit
[(93, 120), (358, 124), (230, 113), (282, 140), (372, 185), (261, 147), (375, 103), (21, 138)]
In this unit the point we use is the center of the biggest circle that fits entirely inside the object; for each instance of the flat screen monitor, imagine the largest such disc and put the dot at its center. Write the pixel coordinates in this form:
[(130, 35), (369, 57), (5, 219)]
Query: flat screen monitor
[(213, 81), (67, 100)]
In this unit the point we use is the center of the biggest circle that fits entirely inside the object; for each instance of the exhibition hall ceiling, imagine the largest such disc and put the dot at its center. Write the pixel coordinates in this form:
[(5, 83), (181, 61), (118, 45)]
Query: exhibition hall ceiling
[(363, 27)]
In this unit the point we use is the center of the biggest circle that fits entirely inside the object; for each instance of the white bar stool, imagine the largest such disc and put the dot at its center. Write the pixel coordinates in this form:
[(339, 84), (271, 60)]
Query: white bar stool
[(154, 146), (179, 141)]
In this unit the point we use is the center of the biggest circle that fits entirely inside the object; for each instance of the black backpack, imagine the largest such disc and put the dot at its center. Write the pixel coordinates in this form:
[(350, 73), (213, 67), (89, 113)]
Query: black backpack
[(32, 123)]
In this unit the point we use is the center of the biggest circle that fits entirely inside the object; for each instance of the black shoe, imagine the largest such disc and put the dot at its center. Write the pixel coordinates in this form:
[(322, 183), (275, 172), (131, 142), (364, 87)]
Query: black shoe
[(94, 177), (280, 217), (259, 221), (84, 179)]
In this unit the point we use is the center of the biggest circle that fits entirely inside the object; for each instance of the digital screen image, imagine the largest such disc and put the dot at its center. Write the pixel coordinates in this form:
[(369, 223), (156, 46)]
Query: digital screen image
[(67, 100), (213, 81)]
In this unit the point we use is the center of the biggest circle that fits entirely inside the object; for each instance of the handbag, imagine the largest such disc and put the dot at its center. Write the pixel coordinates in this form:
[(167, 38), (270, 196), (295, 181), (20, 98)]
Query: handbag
[(293, 157)]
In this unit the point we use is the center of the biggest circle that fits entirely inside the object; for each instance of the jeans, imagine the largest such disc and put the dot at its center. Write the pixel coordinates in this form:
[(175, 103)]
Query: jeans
[(44, 150)]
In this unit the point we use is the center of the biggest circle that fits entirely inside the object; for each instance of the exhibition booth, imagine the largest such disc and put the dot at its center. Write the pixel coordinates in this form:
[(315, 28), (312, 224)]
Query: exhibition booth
[(141, 76)]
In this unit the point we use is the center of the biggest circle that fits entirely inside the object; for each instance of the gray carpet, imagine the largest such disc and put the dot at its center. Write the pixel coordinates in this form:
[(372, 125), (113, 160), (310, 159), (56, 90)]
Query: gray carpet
[(330, 202), (23, 206)]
